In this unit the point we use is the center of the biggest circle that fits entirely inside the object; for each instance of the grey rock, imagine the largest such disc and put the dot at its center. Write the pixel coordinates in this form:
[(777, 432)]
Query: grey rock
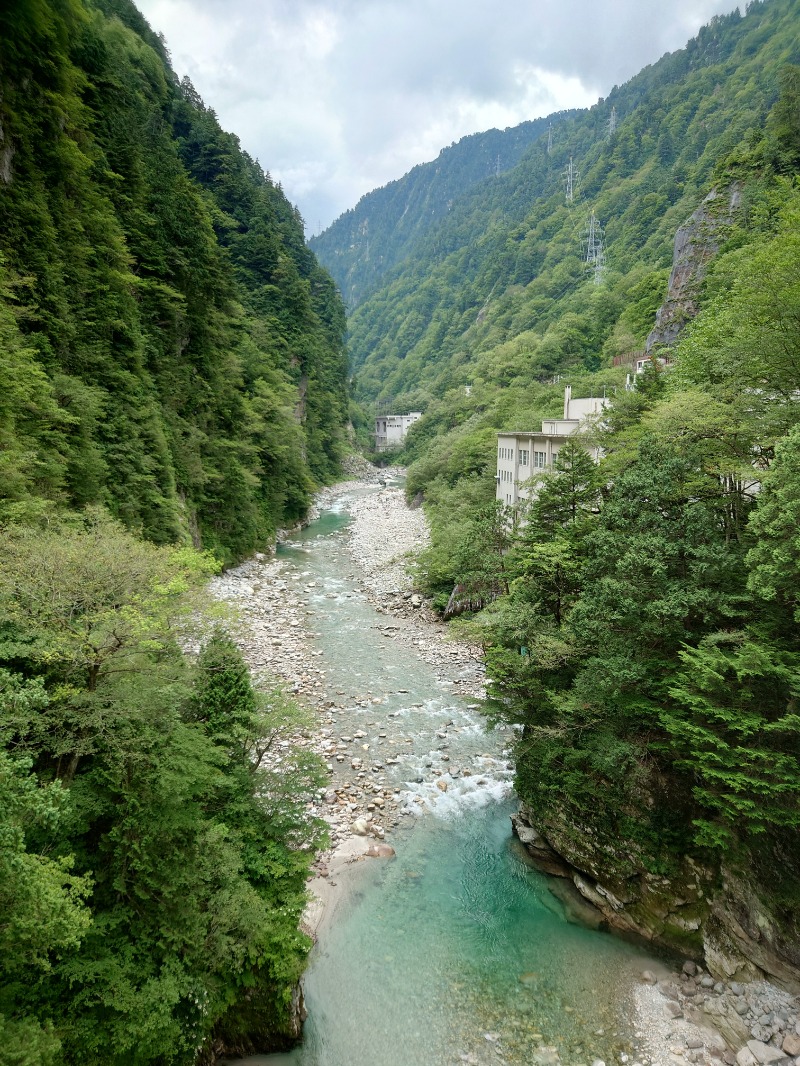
[(669, 989), (745, 1057), (765, 1054), (673, 1008)]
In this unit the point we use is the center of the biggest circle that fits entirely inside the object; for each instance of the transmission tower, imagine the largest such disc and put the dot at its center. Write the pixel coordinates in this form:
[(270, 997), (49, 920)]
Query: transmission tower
[(550, 139), (497, 166), (611, 126), (595, 257), (571, 175)]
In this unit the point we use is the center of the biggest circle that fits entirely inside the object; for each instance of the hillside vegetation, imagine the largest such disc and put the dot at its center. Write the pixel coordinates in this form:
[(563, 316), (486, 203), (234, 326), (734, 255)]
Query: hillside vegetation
[(172, 389), (641, 627), (171, 349)]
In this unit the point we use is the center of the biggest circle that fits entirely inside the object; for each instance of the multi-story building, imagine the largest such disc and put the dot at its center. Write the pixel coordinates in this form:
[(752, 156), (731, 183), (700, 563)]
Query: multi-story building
[(521, 455), (390, 430)]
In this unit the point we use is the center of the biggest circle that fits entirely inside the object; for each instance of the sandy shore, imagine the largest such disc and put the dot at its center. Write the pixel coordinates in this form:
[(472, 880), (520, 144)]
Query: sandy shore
[(677, 1016)]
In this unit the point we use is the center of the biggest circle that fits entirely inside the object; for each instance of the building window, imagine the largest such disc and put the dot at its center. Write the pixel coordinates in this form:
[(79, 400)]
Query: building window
[(539, 460), (523, 457)]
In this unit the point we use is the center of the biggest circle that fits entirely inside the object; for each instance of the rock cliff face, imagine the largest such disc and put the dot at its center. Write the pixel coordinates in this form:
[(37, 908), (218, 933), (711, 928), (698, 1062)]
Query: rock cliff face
[(714, 914), (696, 244)]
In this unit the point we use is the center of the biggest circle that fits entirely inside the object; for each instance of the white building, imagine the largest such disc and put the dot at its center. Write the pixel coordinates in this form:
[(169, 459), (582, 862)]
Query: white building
[(390, 430), (522, 455)]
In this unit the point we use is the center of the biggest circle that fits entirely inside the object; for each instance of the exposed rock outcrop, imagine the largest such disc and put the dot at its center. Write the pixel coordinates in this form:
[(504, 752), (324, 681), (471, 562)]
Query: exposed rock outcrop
[(630, 899), (718, 915), (696, 244)]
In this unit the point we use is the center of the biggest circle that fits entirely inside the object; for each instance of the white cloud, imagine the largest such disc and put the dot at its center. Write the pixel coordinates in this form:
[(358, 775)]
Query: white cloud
[(336, 97)]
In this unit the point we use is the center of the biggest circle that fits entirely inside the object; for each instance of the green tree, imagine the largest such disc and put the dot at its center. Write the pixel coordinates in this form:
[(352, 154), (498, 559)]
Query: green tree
[(734, 725), (42, 901), (86, 606), (774, 559)]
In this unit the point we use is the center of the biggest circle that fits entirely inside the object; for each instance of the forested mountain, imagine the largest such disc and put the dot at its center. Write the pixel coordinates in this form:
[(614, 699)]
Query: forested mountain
[(172, 350), (640, 618), (498, 290), (387, 225)]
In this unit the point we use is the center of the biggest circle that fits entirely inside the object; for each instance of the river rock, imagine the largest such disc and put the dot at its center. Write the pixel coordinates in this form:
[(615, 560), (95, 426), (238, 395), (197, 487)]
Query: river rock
[(791, 1044), (360, 827), (380, 851), (765, 1054)]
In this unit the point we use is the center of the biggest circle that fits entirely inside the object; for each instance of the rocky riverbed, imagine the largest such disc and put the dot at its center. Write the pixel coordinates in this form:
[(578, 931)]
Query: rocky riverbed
[(680, 1017), (273, 601)]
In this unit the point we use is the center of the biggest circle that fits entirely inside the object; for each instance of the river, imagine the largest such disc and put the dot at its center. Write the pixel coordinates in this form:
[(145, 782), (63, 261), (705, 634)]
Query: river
[(455, 950)]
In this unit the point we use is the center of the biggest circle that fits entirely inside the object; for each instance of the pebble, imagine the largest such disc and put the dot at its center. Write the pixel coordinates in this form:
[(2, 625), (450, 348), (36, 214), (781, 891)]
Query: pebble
[(736, 1023)]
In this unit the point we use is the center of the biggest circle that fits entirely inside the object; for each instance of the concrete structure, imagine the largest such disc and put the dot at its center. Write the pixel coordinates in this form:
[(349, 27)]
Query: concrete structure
[(390, 430), (520, 456)]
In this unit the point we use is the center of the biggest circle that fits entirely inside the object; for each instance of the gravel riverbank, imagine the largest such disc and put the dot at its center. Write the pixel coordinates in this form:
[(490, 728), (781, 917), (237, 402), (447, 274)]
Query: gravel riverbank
[(682, 1018)]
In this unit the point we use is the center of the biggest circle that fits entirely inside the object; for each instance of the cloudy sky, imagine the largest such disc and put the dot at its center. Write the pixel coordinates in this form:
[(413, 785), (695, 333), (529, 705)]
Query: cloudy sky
[(337, 97)]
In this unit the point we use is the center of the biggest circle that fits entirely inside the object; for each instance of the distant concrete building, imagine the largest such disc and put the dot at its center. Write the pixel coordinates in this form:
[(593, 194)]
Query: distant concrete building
[(390, 430), (522, 455)]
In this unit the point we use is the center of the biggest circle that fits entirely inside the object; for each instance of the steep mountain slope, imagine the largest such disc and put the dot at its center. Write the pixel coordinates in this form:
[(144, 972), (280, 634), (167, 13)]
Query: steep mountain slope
[(386, 226), (499, 290), (173, 351)]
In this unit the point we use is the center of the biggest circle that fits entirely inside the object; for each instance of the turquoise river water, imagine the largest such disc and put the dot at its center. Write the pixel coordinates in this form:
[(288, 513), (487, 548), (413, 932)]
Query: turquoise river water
[(455, 951)]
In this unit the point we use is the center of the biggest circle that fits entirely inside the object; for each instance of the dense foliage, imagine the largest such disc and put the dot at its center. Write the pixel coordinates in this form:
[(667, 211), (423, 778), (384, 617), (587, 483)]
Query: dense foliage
[(172, 388), (170, 348), (154, 853)]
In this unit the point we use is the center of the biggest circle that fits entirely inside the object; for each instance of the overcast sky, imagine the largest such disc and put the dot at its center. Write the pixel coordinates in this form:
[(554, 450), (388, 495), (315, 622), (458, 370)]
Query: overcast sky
[(337, 97)]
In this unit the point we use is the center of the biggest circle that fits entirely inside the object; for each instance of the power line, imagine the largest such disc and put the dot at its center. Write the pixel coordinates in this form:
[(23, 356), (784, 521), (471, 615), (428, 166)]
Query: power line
[(611, 125), (595, 257), (571, 175)]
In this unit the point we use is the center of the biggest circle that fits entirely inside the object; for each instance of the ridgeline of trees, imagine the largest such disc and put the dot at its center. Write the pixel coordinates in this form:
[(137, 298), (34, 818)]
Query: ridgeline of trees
[(390, 224)]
